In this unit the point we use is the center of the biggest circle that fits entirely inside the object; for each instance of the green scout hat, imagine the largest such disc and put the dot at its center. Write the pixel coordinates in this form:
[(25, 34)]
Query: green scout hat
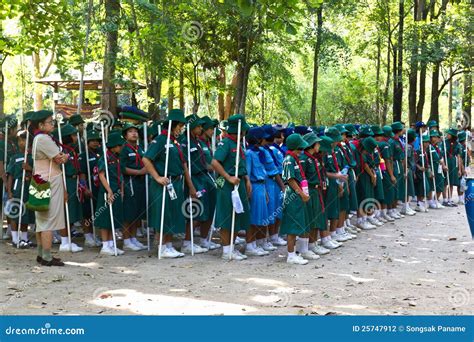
[(311, 138), (377, 130), (132, 113), (387, 131), (127, 126), (434, 133), (93, 135), (351, 129), (342, 129), (233, 124), (365, 131), (397, 126), (75, 120), (193, 120), (27, 116), (426, 138), (334, 134), (432, 123), (115, 139), (325, 145), (462, 136), (411, 134), (295, 142), (207, 122), (453, 131), (369, 144), (176, 115), (40, 115), (67, 130)]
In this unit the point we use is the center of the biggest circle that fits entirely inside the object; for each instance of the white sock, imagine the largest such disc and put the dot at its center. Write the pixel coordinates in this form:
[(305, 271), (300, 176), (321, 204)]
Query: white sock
[(24, 236), (384, 211), (105, 244), (133, 239), (274, 237), (111, 243), (311, 245), (291, 254), (186, 243), (304, 245), (333, 234), (260, 242), (127, 241), (461, 198), (339, 231), (169, 245), (14, 236), (226, 249), (89, 236), (325, 239), (64, 240)]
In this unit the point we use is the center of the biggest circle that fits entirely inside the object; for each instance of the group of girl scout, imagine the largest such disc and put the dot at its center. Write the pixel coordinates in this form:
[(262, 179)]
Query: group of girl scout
[(276, 186)]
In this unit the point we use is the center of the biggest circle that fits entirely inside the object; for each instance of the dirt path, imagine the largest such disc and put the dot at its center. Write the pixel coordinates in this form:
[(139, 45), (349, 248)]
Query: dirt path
[(419, 265)]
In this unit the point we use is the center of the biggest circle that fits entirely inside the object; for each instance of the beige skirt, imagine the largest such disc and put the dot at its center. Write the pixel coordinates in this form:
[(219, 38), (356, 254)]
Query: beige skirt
[(53, 219)]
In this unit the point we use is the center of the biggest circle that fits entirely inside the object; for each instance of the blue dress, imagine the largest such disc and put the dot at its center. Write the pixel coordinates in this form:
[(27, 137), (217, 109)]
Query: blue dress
[(257, 175)]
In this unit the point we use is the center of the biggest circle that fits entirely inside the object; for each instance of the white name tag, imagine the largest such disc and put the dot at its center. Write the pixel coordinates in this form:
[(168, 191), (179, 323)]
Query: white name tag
[(91, 159), (297, 167), (205, 149), (132, 154), (19, 159), (193, 149), (169, 145)]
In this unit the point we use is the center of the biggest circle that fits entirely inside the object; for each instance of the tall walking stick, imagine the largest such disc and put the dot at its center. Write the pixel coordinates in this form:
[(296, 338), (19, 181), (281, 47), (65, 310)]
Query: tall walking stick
[(23, 176), (145, 145), (167, 149), (89, 178), (191, 218), (237, 159)]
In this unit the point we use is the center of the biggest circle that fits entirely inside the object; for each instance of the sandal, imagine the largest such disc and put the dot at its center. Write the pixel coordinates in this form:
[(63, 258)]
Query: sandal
[(53, 262)]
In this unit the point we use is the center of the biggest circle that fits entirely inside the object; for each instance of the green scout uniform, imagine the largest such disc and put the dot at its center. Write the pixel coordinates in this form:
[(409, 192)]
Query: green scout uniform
[(75, 193), (419, 189), (398, 172), (201, 178), (173, 222), (14, 168), (341, 154), (378, 189), (294, 217), (332, 195), (226, 153), (102, 210), (134, 187), (386, 153), (315, 211), (365, 189), (352, 162), (212, 193), (453, 150), (95, 182), (435, 156), (411, 169)]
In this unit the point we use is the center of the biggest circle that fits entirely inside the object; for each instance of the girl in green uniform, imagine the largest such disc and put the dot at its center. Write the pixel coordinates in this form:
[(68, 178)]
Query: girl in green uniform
[(294, 217), (437, 166), (389, 180), (14, 183), (453, 155), (465, 162), (224, 164), (75, 192), (154, 160), (93, 154), (378, 189), (134, 176), (411, 136), (399, 167), (315, 207), (110, 193), (350, 156), (422, 183)]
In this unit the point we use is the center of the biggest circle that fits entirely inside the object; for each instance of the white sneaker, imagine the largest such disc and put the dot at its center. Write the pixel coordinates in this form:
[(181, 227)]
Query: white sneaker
[(243, 256), (90, 243), (367, 226), (432, 206), (268, 246), (339, 237), (439, 206), (310, 255), (409, 209), (387, 217), (320, 250), (130, 246), (335, 243), (278, 242), (231, 256), (349, 224), (380, 218), (106, 250), (74, 248), (394, 215), (374, 221), (422, 208), (262, 250), (328, 245), (400, 214), (169, 253), (139, 244), (351, 231), (297, 260), (205, 243), (255, 252), (197, 249)]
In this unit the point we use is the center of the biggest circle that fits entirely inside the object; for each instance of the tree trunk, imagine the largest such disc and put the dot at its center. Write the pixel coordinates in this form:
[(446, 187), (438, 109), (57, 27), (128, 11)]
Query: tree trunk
[(181, 87), (467, 100), (2, 90), (112, 19), (398, 84), (221, 94), (317, 49), (422, 12), (387, 83), (229, 100), (450, 98), (170, 94), (413, 75), (434, 108), (38, 93), (377, 81)]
